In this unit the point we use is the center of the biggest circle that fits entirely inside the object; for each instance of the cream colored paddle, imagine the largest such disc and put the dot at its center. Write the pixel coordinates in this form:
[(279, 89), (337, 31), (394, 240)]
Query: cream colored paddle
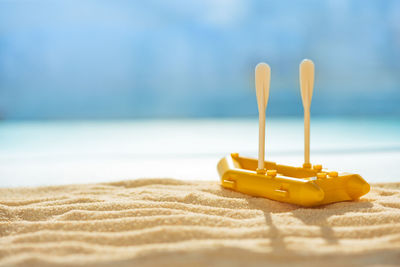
[(306, 88), (262, 77)]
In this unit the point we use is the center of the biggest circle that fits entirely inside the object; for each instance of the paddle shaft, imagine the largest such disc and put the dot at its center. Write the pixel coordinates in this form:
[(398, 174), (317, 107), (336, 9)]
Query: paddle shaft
[(307, 136), (261, 139)]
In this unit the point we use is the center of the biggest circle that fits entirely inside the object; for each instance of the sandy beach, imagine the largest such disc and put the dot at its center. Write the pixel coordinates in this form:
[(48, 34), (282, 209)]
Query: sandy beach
[(166, 222)]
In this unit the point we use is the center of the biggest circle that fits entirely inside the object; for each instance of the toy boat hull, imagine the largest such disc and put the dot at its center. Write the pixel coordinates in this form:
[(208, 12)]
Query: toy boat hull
[(294, 185)]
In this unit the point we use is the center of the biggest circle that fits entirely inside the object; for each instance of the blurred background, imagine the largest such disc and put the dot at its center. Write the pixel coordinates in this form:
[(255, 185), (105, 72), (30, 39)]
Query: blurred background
[(163, 59), (70, 70)]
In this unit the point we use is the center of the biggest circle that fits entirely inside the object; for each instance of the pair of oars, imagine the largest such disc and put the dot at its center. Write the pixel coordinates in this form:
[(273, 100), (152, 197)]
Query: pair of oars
[(262, 81)]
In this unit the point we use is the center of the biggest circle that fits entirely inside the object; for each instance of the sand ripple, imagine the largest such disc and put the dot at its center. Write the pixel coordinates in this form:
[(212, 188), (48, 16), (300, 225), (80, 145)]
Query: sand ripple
[(166, 222)]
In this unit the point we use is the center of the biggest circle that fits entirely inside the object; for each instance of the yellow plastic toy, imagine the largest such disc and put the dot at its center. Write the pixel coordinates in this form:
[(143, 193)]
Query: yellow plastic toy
[(306, 186)]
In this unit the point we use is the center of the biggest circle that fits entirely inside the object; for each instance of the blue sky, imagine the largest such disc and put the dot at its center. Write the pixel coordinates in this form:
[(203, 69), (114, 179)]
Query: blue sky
[(161, 59)]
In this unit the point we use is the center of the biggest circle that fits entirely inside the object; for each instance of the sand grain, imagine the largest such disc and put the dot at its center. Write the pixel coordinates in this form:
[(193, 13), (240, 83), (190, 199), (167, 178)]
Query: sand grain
[(167, 222)]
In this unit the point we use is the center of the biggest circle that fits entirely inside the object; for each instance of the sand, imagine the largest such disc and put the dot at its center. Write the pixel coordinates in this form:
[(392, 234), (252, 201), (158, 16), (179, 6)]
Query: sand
[(165, 222)]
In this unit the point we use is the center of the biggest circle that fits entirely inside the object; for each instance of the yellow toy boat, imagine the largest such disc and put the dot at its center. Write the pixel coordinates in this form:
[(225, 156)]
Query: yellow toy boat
[(297, 185), (308, 185)]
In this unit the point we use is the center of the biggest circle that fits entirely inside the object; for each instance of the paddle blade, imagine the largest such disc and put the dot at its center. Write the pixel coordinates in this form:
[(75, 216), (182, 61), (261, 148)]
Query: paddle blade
[(306, 81), (263, 77)]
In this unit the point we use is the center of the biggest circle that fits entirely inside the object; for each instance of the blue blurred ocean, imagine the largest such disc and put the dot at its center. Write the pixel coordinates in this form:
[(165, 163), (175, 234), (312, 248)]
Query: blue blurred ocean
[(183, 59)]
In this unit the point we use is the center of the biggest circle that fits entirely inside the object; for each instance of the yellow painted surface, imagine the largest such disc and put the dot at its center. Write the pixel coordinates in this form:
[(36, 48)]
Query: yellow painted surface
[(297, 185)]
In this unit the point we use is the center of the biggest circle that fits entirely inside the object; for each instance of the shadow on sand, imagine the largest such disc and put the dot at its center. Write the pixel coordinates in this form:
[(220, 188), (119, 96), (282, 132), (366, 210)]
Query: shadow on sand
[(317, 216)]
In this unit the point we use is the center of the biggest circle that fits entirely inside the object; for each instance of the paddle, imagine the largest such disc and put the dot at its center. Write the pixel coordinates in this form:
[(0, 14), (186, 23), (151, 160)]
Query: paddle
[(262, 79), (306, 88)]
